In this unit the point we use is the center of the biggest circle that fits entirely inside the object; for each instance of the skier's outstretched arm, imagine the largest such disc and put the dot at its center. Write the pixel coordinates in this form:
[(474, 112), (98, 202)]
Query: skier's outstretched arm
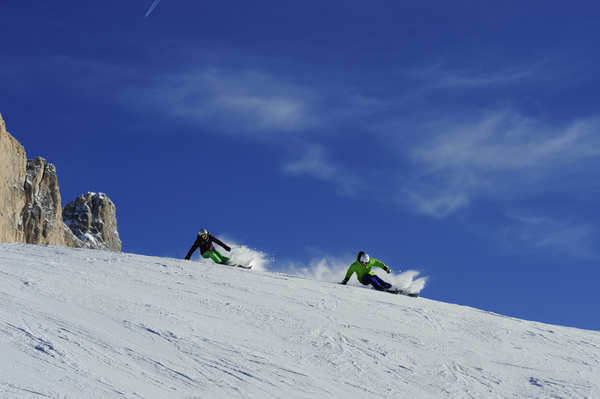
[(192, 249), (381, 265), (215, 239)]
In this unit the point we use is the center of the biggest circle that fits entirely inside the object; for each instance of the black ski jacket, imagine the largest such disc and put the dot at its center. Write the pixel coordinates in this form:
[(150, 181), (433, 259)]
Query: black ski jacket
[(206, 245)]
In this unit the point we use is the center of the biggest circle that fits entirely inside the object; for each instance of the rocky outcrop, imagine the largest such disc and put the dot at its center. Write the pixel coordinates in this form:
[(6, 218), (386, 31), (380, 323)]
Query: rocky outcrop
[(42, 214), (31, 210), (92, 218), (12, 194)]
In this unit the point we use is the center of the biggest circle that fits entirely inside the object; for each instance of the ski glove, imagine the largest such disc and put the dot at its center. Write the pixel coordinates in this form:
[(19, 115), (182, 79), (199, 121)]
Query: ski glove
[(387, 269)]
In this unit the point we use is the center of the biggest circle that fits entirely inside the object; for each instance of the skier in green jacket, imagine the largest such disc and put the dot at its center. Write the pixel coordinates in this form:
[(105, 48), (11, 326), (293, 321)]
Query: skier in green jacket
[(362, 268)]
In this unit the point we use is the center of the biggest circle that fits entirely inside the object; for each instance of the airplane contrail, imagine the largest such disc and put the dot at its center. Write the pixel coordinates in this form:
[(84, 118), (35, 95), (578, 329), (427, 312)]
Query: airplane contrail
[(152, 7)]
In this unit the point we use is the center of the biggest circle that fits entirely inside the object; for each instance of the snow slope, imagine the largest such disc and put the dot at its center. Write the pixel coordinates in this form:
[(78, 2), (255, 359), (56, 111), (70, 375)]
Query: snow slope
[(77, 323)]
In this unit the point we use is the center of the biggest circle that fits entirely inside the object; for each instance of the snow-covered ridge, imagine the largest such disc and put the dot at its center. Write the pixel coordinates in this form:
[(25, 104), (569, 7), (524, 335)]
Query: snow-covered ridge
[(78, 323)]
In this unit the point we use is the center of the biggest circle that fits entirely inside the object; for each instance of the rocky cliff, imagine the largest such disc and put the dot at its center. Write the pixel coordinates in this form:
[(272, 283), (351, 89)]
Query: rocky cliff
[(42, 214), (31, 210), (13, 163)]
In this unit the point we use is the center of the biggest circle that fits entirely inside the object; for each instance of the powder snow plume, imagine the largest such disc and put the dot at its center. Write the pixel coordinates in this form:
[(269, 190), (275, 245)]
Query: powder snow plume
[(406, 280), (334, 269), (241, 254)]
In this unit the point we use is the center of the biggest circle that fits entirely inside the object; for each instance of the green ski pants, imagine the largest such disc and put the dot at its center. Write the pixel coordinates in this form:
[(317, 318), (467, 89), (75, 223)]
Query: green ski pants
[(216, 257)]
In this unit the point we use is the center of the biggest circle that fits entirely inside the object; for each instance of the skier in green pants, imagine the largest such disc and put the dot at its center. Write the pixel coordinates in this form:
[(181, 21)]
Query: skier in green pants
[(204, 241)]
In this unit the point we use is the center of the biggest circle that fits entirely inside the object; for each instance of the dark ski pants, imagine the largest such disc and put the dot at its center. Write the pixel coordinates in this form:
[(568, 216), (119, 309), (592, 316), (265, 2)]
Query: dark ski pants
[(376, 282)]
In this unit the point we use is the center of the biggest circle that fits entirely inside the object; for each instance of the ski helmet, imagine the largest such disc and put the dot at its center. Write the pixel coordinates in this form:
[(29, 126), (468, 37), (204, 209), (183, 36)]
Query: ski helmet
[(203, 234), (364, 259)]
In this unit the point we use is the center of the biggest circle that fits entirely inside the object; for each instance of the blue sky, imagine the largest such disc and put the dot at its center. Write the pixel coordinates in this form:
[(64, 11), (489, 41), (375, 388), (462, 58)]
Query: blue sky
[(460, 139)]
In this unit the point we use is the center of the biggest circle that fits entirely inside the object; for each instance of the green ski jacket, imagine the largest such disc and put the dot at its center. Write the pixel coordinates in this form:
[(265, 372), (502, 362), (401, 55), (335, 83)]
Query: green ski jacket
[(361, 270)]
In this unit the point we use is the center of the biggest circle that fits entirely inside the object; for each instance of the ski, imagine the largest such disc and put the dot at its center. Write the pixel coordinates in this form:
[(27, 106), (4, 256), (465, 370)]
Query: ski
[(398, 291), (242, 266)]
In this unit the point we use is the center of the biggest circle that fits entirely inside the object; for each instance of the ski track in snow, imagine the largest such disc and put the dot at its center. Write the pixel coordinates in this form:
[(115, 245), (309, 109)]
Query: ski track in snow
[(80, 323)]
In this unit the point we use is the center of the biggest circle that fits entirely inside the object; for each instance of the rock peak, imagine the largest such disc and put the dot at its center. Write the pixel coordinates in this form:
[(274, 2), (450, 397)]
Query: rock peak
[(92, 217), (31, 209)]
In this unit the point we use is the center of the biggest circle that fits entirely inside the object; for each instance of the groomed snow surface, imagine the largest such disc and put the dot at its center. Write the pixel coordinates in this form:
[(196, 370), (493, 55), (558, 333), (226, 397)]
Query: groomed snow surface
[(77, 323)]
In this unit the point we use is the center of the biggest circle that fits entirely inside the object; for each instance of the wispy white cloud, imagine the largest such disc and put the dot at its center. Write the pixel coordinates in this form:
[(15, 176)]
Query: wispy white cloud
[(236, 102), (439, 77), (435, 203), (499, 155), (313, 162), (576, 240), (505, 141)]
